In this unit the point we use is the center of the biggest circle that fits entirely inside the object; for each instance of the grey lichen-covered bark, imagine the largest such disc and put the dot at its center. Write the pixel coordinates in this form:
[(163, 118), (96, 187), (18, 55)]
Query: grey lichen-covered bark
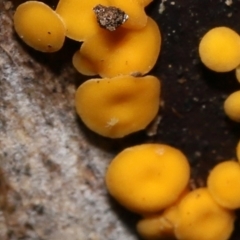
[(52, 183)]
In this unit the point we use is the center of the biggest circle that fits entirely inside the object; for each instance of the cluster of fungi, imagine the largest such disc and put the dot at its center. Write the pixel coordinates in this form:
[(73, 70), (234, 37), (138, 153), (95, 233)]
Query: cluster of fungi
[(120, 45)]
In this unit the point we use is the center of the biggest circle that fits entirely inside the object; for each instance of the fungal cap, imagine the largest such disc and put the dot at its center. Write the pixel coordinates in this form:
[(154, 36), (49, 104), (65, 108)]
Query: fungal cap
[(224, 184), (79, 17), (147, 178), (200, 217), (39, 26), (219, 49), (232, 106), (118, 106), (111, 53), (82, 65)]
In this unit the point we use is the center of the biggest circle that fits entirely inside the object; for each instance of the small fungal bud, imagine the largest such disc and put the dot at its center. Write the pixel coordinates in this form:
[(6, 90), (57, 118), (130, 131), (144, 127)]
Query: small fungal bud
[(155, 227), (161, 225), (82, 64), (219, 49), (110, 18), (237, 73), (238, 151), (232, 106)]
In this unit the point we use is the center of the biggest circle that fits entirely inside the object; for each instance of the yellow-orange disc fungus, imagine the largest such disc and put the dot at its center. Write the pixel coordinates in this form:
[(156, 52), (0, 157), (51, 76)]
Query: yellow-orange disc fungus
[(232, 106), (137, 17), (82, 65), (224, 184), (219, 49), (39, 26), (148, 178), (237, 73), (79, 17), (201, 218), (238, 151), (118, 106), (155, 227), (124, 51)]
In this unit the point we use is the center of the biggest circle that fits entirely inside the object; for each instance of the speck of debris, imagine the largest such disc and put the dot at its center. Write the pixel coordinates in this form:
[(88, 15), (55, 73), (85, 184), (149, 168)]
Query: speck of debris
[(182, 80), (151, 130), (228, 2), (195, 99), (136, 74), (8, 5), (110, 18), (162, 6), (197, 154)]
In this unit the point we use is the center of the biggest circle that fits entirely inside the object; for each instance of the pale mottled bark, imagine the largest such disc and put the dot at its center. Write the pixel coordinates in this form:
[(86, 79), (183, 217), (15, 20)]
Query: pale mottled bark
[(52, 176)]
